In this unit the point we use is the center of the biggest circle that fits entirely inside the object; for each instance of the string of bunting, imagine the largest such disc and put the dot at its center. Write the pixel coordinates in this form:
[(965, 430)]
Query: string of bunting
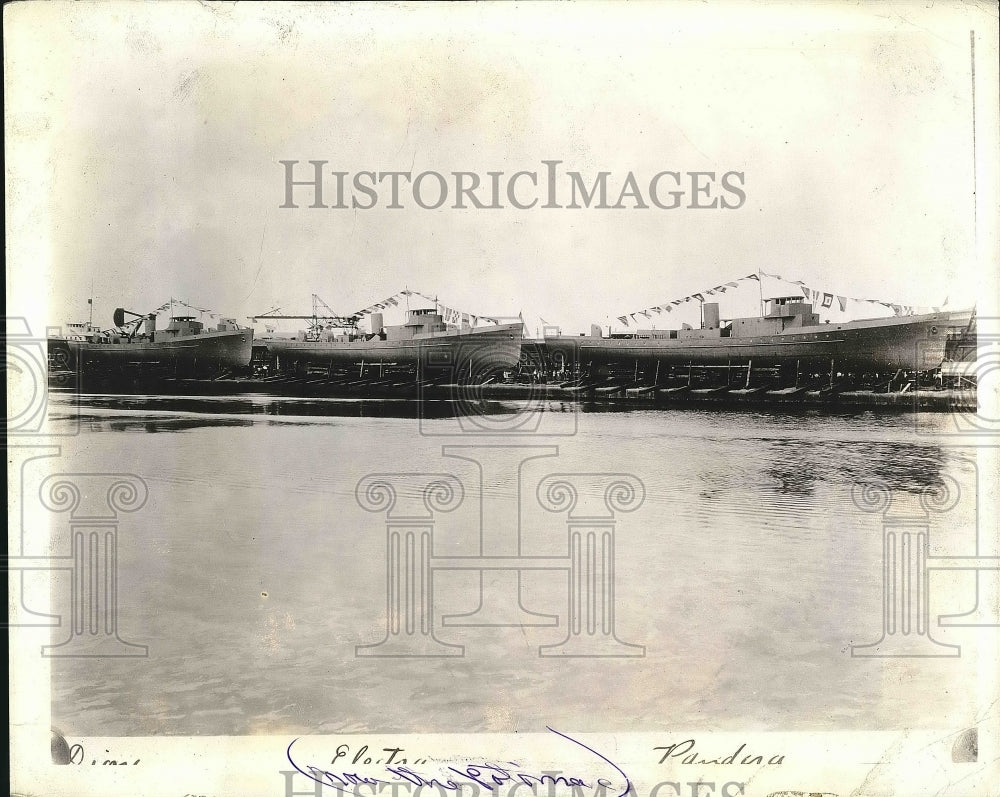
[(817, 297), (391, 301), (451, 315), (172, 302)]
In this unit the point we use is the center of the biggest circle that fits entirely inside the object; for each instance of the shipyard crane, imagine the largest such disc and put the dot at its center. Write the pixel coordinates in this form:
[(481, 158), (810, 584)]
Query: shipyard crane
[(317, 321), (317, 303)]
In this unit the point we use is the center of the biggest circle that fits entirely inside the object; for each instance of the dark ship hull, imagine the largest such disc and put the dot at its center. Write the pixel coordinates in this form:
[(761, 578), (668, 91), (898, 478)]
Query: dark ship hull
[(910, 343), (204, 352), (461, 351)]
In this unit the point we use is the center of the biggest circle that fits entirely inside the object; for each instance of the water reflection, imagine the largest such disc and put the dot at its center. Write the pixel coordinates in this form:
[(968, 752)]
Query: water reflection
[(154, 426), (796, 468), (791, 479), (906, 467), (105, 412)]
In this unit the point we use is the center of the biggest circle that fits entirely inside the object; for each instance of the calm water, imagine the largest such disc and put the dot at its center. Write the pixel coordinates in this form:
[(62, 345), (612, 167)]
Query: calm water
[(252, 573)]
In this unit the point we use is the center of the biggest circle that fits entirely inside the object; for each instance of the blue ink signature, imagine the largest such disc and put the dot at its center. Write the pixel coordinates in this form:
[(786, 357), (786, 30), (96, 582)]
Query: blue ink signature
[(487, 775)]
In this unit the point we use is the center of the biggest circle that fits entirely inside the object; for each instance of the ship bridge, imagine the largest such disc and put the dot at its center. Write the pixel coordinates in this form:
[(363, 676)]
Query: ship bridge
[(183, 326), (781, 313), (418, 322)]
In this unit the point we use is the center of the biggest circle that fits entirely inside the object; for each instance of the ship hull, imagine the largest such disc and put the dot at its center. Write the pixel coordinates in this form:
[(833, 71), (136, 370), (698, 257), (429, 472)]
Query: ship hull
[(476, 351), (203, 352), (913, 343)]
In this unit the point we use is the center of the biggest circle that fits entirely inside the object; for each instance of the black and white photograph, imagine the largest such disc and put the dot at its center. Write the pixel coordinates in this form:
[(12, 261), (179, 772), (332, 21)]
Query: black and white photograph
[(579, 399)]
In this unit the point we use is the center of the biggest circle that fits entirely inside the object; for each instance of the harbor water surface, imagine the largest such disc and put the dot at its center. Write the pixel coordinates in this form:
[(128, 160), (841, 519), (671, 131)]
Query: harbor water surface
[(252, 574)]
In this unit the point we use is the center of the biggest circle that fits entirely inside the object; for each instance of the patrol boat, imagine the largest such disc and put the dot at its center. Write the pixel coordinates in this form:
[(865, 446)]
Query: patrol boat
[(424, 339), (788, 332), (183, 346)]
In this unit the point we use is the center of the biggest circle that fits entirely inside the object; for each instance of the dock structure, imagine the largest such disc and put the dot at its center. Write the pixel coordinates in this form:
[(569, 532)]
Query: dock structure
[(617, 394)]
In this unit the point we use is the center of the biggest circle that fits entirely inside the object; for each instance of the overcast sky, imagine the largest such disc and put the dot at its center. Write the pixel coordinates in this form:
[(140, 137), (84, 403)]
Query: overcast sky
[(145, 142)]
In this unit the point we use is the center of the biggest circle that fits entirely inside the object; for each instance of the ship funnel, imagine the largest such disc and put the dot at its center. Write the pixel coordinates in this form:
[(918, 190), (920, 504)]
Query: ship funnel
[(375, 319), (711, 315), (151, 324)]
